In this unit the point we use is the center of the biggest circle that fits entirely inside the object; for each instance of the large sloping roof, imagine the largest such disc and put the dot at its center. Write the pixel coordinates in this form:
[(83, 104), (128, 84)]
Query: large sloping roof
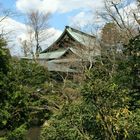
[(56, 54), (79, 36), (53, 55)]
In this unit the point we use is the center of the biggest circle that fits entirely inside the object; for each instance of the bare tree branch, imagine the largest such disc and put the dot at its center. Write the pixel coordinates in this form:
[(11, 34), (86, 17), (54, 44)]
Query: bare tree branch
[(38, 24)]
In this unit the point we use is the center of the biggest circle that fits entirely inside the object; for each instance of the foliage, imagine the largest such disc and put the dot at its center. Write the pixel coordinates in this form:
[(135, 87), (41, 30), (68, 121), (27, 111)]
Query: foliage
[(30, 74), (111, 34), (104, 106), (110, 102), (68, 124), (132, 63), (20, 96), (104, 111), (5, 55), (4, 68), (18, 133)]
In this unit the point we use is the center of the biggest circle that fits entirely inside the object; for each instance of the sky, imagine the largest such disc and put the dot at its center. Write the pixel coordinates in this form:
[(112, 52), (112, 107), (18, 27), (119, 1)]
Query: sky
[(75, 13), (62, 12)]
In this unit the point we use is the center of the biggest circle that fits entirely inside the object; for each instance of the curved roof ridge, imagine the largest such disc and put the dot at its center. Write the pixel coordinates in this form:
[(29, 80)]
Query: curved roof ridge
[(55, 41), (78, 31), (67, 30)]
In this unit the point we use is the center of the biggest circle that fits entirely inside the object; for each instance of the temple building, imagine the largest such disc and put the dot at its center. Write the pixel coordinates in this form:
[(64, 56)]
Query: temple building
[(72, 51)]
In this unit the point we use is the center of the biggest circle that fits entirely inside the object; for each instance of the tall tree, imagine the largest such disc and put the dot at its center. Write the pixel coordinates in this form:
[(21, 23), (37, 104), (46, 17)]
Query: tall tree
[(132, 66), (111, 34), (38, 23), (124, 16)]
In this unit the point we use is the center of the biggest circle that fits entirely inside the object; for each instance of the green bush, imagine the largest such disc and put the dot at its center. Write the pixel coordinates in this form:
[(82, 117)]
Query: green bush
[(18, 133), (21, 83), (66, 125)]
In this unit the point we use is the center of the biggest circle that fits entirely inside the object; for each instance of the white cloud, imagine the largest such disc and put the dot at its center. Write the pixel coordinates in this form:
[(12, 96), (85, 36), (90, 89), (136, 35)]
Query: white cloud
[(25, 5), (17, 31), (54, 34), (81, 19), (94, 17), (87, 9), (61, 6), (13, 29)]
